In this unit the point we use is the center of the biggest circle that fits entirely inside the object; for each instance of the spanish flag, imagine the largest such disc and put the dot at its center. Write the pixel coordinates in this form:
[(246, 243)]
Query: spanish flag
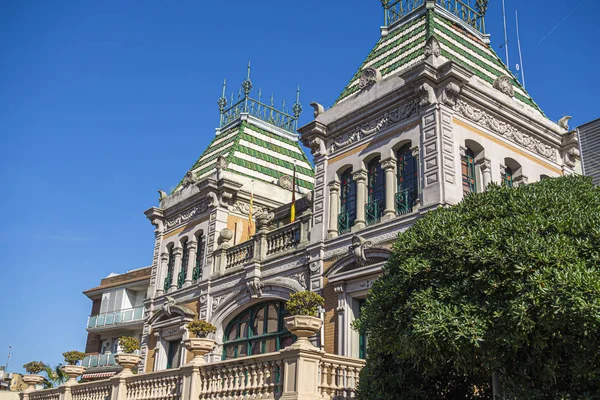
[(250, 227), (293, 207)]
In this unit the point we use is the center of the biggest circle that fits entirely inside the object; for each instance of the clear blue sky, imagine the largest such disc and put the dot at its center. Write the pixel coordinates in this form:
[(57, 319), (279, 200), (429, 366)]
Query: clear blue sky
[(104, 102)]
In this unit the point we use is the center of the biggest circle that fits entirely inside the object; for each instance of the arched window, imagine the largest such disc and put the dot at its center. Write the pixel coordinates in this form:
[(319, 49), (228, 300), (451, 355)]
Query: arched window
[(469, 179), (507, 177), (170, 265), (184, 262), (408, 180), (257, 330), (197, 273), (376, 191), (347, 213)]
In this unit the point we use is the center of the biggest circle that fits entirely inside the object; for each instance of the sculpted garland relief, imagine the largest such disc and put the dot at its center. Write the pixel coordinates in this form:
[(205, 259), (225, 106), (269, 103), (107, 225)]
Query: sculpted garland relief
[(503, 129), (377, 124), (187, 215)]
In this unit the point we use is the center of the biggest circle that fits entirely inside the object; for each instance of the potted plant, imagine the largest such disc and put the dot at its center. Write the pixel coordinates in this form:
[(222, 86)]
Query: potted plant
[(200, 345), (71, 369), (303, 322), (127, 358), (32, 378)]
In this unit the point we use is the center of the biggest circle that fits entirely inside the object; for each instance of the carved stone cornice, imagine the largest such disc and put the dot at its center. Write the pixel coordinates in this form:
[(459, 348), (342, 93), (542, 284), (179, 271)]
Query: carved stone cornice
[(504, 129)]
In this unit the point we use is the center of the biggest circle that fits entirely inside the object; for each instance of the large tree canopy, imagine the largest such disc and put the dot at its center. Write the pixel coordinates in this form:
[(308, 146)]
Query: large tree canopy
[(506, 282)]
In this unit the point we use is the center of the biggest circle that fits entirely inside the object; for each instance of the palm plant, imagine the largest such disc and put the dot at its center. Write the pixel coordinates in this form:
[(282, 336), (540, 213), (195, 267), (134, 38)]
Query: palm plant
[(54, 376)]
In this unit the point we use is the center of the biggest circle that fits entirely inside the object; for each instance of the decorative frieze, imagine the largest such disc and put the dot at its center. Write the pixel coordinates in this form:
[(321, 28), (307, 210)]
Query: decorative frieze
[(244, 208), (504, 129), (375, 125), (187, 215)]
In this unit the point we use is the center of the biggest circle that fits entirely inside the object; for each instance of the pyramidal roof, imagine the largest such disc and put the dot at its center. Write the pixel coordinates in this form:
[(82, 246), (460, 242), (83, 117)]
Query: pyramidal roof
[(258, 153), (460, 33)]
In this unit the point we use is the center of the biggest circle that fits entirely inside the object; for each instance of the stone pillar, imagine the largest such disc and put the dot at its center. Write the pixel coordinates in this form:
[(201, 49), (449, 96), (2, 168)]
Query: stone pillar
[(177, 252), (162, 273), (342, 336), (360, 177), (334, 209), (64, 391), (389, 166), (417, 156), (191, 385), (119, 388), (301, 373), (192, 249), (486, 171)]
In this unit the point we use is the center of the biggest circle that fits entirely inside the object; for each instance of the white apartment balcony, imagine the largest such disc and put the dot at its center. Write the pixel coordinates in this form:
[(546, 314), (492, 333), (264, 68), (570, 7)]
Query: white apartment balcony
[(130, 317), (99, 360)]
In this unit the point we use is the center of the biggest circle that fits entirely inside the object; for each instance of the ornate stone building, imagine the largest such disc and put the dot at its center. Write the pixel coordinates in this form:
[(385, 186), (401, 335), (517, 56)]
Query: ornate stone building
[(432, 115)]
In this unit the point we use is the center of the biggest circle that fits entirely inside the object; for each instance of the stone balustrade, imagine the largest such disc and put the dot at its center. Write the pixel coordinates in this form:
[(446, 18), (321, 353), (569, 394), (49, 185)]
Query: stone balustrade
[(295, 373), (284, 238)]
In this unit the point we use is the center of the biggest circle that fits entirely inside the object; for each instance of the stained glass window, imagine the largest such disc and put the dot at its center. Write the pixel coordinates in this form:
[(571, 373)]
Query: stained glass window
[(376, 191), (408, 180), (469, 179), (507, 177), (347, 213)]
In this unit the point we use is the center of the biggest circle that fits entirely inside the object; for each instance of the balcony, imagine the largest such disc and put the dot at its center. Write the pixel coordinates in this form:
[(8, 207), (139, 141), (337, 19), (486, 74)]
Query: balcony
[(292, 373), (99, 360), (116, 318)]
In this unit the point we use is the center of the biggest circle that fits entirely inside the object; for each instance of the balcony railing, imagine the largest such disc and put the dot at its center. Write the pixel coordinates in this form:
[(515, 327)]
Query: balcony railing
[(116, 317), (99, 360), (373, 212), (345, 221), (405, 201), (284, 238), (239, 254), (268, 376)]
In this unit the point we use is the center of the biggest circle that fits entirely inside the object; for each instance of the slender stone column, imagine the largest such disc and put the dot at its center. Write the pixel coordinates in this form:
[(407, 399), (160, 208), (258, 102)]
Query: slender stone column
[(334, 209), (177, 252), (389, 166), (486, 171), (162, 273), (416, 155), (360, 177), (192, 247)]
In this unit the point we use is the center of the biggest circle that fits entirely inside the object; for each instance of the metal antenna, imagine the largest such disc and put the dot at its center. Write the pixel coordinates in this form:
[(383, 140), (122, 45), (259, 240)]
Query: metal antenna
[(520, 53), (505, 34)]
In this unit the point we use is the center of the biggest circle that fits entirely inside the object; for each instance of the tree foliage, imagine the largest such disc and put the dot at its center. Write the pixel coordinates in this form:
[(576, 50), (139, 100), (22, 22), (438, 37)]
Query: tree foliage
[(129, 344), (507, 281), (304, 303)]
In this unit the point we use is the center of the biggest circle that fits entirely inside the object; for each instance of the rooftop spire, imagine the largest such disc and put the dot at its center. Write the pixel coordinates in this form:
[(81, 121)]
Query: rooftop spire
[(472, 12), (245, 104)]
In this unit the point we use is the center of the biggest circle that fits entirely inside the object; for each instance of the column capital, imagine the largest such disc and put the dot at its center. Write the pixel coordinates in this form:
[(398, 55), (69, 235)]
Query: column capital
[(463, 151), (164, 256), (388, 164), (502, 169), (177, 251), (521, 180), (485, 164), (359, 176), (192, 245), (415, 151), (334, 186)]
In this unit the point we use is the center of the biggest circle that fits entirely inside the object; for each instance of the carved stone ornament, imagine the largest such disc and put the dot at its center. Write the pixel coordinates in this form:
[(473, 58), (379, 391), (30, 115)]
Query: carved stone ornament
[(357, 249), (188, 214), (571, 157), (369, 77), (189, 179), (222, 162), (375, 125), (244, 208), (264, 219), (564, 122), (503, 83), (317, 147), (301, 279), (319, 109), (255, 287), (285, 181), (432, 47), (426, 95), (450, 94), (505, 130), (162, 195)]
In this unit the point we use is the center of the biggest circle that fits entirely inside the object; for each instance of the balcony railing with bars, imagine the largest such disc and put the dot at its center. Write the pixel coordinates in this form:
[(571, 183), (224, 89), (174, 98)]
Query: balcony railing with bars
[(116, 317), (405, 201), (284, 238), (345, 221), (474, 17), (99, 360), (373, 212)]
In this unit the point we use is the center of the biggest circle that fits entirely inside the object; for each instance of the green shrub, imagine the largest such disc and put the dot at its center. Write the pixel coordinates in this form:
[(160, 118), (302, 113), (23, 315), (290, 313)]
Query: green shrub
[(129, 344), (201, 328), (505, 282), (34, 367), (73, 357), (304, 303)]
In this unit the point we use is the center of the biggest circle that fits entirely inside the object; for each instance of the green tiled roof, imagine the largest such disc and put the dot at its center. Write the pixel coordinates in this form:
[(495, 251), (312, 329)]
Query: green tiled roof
[(405, 45), (255, 153)]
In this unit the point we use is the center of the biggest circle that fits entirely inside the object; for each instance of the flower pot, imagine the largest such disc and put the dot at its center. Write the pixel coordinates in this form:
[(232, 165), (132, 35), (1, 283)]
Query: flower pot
[(72, 371), (127, 361), (199, 347), (303, 326), (32, 380)]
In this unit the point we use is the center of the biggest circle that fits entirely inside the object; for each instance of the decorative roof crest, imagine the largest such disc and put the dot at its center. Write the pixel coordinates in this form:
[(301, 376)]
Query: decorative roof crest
[(245, 104)]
